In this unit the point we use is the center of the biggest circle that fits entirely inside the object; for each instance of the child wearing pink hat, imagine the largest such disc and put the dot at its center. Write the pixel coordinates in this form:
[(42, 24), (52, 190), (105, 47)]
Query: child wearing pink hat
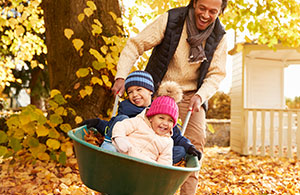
[(148, 135)]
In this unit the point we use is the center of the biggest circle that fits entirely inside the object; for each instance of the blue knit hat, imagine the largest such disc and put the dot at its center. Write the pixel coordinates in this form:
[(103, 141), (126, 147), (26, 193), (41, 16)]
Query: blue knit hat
[(139, 78)]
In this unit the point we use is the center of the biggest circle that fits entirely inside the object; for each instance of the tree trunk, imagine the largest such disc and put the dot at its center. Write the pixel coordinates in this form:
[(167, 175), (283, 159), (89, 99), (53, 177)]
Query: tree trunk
[(63, 59)]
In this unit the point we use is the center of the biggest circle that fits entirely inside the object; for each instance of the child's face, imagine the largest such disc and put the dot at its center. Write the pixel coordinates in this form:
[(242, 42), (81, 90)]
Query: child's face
[(139, 96), (161, 123)]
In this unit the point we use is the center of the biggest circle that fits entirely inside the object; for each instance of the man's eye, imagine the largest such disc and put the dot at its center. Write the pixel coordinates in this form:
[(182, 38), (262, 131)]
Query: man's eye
[(214, 12), (202, 8)]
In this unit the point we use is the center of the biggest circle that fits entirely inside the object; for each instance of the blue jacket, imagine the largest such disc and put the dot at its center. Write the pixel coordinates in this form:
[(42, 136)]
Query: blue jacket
[(131, 110)]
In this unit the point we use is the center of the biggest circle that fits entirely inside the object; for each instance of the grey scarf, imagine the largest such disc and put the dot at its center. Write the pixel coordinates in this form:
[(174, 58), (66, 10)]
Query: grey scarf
[(196, 37)]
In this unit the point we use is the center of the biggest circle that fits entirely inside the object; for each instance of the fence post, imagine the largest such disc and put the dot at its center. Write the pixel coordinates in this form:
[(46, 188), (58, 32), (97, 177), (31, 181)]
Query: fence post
[(298, 135), (246, 133), (289, 135), (263, 133), (254, 132), (280, 133), (272, 133)]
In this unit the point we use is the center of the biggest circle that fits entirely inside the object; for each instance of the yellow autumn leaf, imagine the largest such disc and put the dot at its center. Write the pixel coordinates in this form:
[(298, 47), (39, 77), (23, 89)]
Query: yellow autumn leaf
[(82, 72), (119, 21), (28, 128), (96, 80), (53, 133), (89, 90), (68, 33), (82, 93), (98, 22), (67, 148), (65, 127), (114, 72), (19, 81), (248, 40), (97, 55), (104, 49), (43, 156), (33, 64), (135, 30), (88, 11), (106, 80), (54, 92), (77, 43), (67, 96), (24, 118), (114, 48), (239, 47), (92, 5), (113, 15), (53, 144), (19, 30), (81, 17), (41, 66), (110, 66), (109, 60), (78, 119), (12, 22), (96, 29), (42, 131), (145, 55), (61, 111)]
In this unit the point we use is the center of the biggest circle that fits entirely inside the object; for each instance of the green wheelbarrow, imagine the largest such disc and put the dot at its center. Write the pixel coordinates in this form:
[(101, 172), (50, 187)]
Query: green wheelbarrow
[(118, 174)]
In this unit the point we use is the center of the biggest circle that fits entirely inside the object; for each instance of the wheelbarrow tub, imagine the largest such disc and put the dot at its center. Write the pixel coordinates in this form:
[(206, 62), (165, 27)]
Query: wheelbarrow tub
[(118, 174)]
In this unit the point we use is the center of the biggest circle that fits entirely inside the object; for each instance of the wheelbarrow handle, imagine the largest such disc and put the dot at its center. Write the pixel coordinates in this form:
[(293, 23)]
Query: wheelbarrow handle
[(116, 103), (186, 121)]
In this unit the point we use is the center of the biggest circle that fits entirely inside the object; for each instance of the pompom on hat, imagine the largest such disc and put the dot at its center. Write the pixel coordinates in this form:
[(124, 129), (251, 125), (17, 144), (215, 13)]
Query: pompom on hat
[(139, 78), (169, 94)]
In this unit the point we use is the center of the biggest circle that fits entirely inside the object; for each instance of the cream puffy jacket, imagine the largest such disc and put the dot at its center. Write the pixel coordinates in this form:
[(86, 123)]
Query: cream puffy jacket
[(146, 144)]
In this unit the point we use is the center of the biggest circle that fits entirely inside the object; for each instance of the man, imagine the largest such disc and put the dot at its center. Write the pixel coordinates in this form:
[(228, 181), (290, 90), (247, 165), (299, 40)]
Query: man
[(189, 48)]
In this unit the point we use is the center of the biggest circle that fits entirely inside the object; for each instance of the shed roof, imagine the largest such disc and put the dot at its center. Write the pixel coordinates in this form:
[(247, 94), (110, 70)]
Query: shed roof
[(279, 53)]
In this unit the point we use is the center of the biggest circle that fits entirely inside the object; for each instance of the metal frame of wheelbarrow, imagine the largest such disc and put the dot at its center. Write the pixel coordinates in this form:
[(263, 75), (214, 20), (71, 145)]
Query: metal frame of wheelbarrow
[(119, 174)]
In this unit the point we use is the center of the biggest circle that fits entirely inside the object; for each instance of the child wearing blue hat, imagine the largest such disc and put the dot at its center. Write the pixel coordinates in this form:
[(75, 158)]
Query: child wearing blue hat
[(139, 87)]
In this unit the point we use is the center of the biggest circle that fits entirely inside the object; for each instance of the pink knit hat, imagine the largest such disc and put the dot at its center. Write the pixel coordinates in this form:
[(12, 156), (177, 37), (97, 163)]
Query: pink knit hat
[(164, 105), (169, 93)]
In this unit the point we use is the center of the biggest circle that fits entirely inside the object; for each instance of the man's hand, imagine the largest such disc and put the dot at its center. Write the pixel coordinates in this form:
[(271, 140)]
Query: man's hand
[(195, 103), (119, 87)]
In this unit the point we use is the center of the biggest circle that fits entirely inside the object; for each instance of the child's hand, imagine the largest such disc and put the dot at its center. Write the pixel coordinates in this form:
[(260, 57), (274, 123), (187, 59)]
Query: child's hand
[(122, 144), (90, 123)]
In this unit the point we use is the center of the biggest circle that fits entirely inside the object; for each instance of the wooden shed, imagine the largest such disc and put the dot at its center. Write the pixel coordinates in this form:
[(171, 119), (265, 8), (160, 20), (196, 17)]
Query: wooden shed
[(260, 122)]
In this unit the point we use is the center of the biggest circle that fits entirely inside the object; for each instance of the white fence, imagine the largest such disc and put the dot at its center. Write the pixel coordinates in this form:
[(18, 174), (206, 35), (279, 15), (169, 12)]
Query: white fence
[(272, 132)]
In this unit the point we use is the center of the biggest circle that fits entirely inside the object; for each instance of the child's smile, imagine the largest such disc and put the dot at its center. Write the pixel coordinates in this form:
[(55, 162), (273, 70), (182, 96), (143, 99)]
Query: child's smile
[(162, 123), (139, 96)]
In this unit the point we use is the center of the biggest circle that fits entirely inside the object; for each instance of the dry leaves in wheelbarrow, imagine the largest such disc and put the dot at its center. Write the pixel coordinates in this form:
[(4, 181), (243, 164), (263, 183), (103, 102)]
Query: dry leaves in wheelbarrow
[(93, 137)]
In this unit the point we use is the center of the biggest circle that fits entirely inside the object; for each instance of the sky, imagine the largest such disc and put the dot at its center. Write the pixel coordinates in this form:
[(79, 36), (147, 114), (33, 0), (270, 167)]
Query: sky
[(292, 81)]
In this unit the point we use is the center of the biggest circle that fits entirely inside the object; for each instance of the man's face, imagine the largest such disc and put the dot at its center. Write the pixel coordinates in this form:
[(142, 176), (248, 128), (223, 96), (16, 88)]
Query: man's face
[(206, 12)]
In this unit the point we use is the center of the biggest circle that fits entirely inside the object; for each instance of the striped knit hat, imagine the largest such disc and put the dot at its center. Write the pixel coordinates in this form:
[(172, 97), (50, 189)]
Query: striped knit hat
[(139, 78)]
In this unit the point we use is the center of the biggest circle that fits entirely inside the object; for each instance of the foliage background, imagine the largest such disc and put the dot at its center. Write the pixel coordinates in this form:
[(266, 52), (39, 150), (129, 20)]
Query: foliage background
[(40, 128)]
